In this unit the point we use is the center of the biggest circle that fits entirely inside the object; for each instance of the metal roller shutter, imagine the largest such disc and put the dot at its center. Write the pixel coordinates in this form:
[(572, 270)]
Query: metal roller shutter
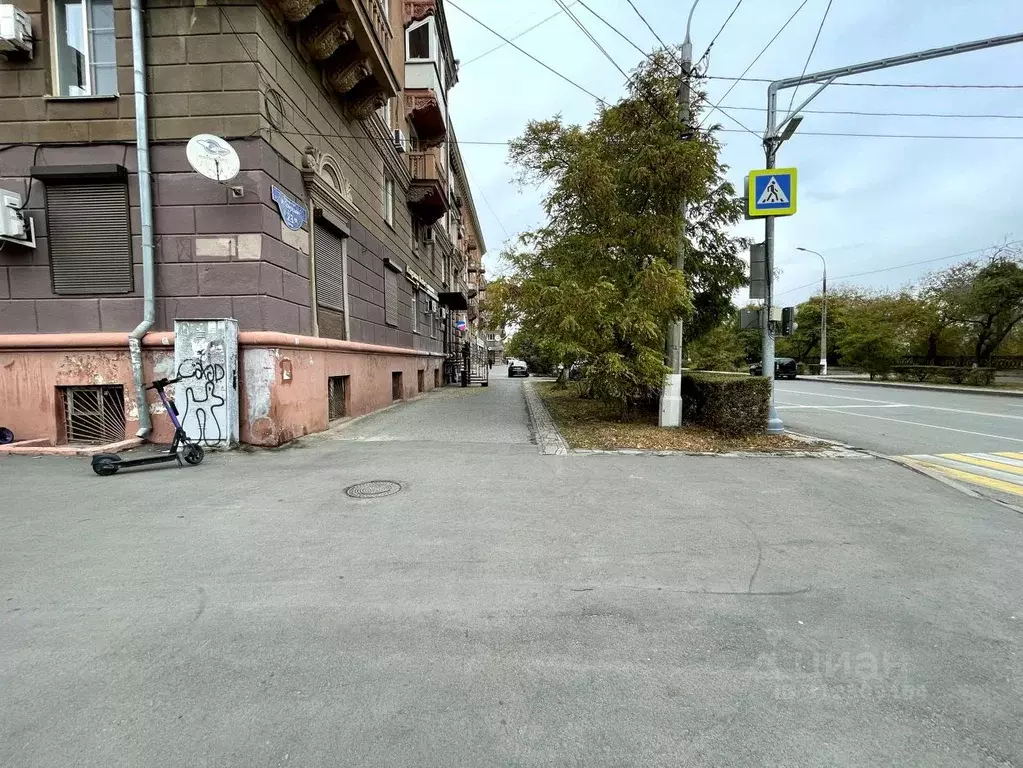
[(330, 284), (390, 297), (89, 235)]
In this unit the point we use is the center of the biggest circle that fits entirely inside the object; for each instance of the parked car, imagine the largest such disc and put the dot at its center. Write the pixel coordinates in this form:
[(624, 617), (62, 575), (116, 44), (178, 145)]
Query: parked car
[(517, 368), (784, 368)]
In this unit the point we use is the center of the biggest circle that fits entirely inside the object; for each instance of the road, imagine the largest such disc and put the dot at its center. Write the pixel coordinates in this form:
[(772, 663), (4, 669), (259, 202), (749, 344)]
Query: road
[(898, 422), (504, 608)]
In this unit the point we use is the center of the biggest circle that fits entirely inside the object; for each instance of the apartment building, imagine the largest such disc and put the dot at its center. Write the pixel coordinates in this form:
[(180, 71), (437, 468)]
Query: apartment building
[(337, 110)]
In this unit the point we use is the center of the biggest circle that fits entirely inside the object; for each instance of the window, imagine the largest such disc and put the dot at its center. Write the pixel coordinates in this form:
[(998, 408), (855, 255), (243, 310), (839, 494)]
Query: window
[(415, 309), (388, 202), (418, 39), (84, 60), (89, 235), (337, 397), (390, 297), (330, 281), (397, 389), (385, 113)]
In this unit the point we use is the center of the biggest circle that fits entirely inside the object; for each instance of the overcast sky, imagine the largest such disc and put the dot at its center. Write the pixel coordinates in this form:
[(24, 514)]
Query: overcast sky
[(866, 203)]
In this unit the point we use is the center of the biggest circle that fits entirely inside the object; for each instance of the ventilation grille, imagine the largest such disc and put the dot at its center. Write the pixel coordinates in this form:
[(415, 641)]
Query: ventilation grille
[(89, 238), (93, 414), (337, 391), (330, 284)]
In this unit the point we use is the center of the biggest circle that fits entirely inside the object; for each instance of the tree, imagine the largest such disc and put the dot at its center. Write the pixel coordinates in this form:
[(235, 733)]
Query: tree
[(870, 344), (995, 304), (980, 299), (597, 281), (719, 349)]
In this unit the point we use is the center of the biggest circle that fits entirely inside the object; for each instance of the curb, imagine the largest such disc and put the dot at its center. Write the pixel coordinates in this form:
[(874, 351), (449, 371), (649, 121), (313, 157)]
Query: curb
[(901, 385), (548, 438), (961, 487)]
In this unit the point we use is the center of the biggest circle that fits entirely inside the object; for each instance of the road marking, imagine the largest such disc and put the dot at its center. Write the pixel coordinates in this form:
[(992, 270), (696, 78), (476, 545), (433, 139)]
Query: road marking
[(836, 397), (830, 407), (984, 460), (932, 426), (912, 405), (974, 478), (1011, 455)]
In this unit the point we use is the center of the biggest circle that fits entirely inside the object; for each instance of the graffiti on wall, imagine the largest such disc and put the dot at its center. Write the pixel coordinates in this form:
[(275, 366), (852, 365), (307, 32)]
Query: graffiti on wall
[(204, 405)]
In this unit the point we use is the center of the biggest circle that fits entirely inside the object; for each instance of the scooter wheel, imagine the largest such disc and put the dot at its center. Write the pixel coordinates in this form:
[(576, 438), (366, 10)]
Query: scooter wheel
[(105, 465), (194, 454)]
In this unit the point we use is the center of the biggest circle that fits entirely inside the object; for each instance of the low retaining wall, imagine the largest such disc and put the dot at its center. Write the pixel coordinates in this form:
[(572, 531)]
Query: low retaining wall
[(282, 380)]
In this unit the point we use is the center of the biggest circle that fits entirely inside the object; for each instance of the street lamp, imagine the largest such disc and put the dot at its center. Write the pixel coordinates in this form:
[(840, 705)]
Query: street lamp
[(824, 312)]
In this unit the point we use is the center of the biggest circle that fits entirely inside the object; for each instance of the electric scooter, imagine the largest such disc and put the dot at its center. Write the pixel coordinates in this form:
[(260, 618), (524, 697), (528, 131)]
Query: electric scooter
[(181, 448)]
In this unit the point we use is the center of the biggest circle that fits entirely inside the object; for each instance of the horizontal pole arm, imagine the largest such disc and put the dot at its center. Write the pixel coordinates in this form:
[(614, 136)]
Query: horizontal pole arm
[(896, 61)]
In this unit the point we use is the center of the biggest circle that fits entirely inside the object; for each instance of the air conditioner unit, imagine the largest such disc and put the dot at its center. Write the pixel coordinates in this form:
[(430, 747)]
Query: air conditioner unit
[(15, 225), (15, 31), (400, 141)]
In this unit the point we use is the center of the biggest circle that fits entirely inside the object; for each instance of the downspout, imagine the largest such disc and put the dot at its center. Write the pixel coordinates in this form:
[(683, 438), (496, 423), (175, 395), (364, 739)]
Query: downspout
[(138, 60)]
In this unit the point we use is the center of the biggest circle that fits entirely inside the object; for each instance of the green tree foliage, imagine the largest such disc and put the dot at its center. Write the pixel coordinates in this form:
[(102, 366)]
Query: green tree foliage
[(870, 344), (596, 282), (719, 349)]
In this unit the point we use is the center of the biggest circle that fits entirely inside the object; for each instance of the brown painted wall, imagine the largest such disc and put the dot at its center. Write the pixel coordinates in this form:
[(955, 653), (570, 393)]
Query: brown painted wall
[(216, 255)]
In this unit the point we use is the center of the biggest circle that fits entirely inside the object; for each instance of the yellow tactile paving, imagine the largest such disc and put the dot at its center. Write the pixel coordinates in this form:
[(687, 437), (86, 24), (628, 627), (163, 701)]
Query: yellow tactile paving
[(997, 471), (1001, 466)]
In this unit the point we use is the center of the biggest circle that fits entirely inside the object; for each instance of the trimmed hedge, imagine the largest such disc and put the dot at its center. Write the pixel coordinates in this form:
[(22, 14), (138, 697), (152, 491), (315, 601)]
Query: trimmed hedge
[(956, 374), (730, 405)]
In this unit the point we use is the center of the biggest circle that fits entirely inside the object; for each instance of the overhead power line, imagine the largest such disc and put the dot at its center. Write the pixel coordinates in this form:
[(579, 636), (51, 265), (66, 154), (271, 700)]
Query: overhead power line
[(714, 39), (549, 68), (839, 83), (970, 116), (809, 56), (526, 31), (652, 30), (904, 266), (756, 59)]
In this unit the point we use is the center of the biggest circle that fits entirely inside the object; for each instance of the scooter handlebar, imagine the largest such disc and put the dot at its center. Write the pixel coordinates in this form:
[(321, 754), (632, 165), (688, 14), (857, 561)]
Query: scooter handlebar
[(161, 383)]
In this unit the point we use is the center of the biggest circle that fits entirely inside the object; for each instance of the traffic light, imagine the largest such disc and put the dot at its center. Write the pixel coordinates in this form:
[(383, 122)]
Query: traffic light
[(788, 321)]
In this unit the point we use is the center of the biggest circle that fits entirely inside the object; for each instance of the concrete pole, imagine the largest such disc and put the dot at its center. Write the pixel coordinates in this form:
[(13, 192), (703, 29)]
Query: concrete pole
[(771, 144), (671, 393)]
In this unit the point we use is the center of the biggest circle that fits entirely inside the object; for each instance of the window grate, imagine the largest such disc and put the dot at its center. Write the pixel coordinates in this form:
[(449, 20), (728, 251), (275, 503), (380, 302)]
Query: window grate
[(93, 414), (390, 297), (397, 388), (337, 397)]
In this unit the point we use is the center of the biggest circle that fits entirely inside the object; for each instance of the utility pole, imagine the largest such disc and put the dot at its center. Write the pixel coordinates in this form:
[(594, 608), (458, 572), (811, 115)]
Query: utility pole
[(778, 133), (824, 312), (671, 392)]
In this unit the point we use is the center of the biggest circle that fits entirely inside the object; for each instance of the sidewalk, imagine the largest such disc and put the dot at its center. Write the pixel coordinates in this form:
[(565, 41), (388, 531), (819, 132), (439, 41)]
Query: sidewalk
[(502, 607)]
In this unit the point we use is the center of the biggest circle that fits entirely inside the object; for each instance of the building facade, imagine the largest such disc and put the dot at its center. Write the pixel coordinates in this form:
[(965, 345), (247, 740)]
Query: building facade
[(336, 108)]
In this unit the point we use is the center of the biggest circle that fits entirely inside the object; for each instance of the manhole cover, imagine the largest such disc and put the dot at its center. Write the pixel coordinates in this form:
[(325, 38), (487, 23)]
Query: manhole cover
[(373, 489)]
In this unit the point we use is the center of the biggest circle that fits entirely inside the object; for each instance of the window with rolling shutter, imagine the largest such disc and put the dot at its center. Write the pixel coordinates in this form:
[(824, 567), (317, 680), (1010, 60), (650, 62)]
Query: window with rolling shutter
[(390, 297), (89, 233), (330, 282)]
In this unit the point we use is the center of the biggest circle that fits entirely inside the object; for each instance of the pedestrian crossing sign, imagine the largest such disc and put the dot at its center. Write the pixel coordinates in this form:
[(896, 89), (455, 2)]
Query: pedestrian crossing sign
[(772, 192)]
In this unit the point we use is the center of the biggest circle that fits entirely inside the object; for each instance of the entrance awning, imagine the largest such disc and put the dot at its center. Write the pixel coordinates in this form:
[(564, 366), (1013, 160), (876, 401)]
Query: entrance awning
[(454, 300)]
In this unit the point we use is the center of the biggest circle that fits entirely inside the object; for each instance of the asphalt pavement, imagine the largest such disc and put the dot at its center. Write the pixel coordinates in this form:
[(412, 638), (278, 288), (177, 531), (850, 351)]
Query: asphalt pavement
[(503, 608), (897, 422)]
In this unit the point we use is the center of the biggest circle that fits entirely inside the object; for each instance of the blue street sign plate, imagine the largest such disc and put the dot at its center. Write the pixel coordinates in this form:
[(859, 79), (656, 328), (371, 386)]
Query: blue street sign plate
[(292, 212), (772, 192)]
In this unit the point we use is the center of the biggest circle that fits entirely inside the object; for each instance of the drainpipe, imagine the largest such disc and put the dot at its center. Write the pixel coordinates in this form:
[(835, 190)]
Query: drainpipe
[(138, 60)]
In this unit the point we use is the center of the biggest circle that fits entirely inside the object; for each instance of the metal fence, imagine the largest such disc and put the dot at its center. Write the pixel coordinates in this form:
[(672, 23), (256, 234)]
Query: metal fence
[(998, 362)]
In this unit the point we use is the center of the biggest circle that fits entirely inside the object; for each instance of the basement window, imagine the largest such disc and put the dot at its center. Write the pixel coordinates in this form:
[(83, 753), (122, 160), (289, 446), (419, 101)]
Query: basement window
[(85, 61), (337, 397), (93, 414)]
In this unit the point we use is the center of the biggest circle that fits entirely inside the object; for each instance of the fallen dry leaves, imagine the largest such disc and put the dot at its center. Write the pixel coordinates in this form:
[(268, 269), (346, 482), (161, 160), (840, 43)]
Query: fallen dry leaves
[(589, 425)]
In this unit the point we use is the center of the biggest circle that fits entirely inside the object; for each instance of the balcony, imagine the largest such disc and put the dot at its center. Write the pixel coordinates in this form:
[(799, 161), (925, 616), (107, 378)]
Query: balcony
[(349, 40), (425, 109), (427, 197)]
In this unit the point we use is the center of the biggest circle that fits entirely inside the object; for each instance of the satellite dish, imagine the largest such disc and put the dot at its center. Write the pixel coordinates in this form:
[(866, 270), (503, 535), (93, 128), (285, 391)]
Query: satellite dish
[(213, 157)]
